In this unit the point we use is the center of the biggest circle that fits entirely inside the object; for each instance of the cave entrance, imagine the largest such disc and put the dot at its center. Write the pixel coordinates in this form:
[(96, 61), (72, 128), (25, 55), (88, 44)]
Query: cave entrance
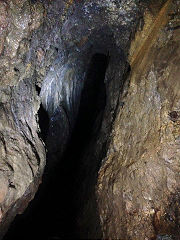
[(53, 212)]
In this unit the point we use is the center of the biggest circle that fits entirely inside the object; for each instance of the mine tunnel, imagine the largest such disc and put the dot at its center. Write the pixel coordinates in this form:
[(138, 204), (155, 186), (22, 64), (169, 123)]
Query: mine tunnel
[(53, 212)]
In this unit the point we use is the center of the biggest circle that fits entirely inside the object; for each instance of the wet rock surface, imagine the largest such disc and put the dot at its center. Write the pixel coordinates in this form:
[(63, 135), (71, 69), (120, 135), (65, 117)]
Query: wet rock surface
[(95, 84)]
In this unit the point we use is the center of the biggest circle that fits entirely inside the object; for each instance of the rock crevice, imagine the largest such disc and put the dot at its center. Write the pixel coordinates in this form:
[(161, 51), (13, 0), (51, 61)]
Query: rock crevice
[(94, 84)]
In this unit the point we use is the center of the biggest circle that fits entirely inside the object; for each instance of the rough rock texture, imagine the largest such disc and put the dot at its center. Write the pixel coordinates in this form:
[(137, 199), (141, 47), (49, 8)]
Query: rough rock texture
[(138, 185), (22, 155), (126, 181)]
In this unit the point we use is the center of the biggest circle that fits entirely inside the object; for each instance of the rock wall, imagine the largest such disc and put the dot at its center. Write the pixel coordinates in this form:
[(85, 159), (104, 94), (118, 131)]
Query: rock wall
[(138, 185), (22, 154), (127, 183)]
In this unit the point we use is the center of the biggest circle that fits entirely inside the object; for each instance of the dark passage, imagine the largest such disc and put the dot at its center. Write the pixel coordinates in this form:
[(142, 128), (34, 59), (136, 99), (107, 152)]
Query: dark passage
[(53, 212), (43, 123)]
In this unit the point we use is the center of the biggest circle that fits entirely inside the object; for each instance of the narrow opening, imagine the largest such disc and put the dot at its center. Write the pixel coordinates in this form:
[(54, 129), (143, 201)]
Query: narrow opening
[(53, 212), (93, 100), (16, 69), (43, 123), (38, 89)]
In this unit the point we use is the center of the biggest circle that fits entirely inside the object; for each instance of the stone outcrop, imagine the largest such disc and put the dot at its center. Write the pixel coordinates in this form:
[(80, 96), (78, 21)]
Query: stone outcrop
[(125, 182), (22, 154), (141, 169)]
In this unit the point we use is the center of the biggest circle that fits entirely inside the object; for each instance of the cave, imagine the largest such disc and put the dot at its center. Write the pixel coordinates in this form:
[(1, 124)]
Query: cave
[(60, 222), (89, 119)]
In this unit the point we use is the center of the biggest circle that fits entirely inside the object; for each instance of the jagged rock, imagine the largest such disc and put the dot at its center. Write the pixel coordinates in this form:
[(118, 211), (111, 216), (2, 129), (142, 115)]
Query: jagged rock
[(22, 154), (141, 169), (125, 182)]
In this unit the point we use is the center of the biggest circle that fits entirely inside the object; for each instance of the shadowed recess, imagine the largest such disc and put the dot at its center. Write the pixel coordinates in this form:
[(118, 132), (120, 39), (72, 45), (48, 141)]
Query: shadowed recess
[(53, 212)]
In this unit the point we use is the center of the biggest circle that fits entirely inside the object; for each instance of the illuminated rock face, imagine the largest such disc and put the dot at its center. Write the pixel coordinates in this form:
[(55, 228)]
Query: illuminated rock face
[(98, 81), (141, 169)]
